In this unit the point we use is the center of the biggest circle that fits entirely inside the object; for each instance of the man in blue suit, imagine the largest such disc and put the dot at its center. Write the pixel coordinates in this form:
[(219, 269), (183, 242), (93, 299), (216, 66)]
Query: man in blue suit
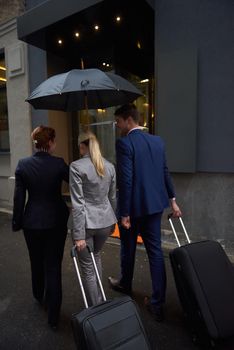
[(145, 190)]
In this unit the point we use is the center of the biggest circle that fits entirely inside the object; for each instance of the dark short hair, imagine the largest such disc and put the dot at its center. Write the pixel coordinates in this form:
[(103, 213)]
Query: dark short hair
[(42, 135), (128, 110)]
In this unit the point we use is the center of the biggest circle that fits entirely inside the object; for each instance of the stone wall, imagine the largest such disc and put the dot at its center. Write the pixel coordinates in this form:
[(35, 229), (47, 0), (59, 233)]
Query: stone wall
[(10, 9)]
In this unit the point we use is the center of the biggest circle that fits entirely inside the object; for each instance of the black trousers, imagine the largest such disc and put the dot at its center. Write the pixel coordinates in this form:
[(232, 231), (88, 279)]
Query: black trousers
[(150, 228), (46, 253)]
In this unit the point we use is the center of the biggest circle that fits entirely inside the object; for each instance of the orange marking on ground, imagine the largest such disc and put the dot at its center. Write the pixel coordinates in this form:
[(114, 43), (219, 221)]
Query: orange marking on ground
[(116, 234)]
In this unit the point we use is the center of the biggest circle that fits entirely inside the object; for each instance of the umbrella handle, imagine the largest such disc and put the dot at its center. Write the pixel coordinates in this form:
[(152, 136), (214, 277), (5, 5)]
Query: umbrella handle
[(86, 106), (85, 94)]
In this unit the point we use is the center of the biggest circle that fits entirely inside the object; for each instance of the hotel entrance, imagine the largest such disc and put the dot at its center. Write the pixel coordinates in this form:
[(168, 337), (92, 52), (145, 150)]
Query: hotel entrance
[(109, 35)]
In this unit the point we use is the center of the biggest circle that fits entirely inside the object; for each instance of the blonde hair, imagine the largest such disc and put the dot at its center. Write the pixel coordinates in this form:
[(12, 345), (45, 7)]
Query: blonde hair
[(90, 140)]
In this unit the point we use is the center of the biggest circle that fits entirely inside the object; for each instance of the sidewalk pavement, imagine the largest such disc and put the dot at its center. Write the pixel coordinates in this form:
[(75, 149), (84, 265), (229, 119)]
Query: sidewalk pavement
[(23, 324)]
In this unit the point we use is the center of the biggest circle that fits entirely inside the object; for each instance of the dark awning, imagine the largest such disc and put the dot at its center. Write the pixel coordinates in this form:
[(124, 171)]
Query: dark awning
[(49, 12), (131, 42)]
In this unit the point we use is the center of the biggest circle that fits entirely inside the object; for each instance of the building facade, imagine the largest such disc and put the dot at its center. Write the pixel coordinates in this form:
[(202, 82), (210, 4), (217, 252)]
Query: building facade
[(15, 123), (179, 54)]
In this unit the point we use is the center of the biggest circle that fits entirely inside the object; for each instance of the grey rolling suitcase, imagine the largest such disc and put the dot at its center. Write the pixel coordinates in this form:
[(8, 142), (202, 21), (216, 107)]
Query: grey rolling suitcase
[(112, 324), (204, 278)]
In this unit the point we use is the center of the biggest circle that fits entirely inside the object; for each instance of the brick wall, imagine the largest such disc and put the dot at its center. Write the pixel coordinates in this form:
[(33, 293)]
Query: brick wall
[(10, 9)]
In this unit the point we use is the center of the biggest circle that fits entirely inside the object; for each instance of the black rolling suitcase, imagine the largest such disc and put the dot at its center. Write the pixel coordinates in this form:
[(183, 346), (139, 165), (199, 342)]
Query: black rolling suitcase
[(113, 324), (204, 278)]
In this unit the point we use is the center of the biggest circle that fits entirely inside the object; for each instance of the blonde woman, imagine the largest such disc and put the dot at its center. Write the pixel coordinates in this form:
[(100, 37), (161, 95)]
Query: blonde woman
[(93, 197)]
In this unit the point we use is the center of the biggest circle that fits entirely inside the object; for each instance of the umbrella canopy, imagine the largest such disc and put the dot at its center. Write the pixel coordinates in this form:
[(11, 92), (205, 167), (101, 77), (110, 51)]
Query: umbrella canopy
[(82, 89)]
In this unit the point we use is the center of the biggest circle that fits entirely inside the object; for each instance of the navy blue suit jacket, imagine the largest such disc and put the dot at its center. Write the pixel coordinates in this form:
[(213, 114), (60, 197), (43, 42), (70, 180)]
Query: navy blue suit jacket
[(40, 176), (144, 182)]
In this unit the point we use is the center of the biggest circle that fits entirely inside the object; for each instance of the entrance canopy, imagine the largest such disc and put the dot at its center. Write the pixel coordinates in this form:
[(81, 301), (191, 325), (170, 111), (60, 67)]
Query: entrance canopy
[(100, 32)]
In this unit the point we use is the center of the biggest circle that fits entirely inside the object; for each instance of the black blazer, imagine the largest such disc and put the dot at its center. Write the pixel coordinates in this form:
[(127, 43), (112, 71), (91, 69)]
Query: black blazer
[(40, 177)]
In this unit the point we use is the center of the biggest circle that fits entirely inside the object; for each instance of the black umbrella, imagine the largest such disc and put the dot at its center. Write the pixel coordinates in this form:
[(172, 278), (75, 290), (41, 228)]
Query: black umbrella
[(82, 89)]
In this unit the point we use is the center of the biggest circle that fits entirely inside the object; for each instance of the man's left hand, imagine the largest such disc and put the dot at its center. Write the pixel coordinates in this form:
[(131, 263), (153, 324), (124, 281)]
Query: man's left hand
[(125, 222)]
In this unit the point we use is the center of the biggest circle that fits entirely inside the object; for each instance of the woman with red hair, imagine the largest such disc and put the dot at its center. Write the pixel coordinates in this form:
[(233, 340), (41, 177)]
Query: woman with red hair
[(43, 218)]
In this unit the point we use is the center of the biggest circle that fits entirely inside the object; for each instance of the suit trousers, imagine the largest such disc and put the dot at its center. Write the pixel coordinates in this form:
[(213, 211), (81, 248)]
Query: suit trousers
[(95, 239), (149, 227), (46, 253)]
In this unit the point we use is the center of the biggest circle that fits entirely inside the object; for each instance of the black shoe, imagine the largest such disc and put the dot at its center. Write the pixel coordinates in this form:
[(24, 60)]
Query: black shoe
[(39, 301), (53, 321), (115, 285), (42, 303), (156, 311), (54, 327)]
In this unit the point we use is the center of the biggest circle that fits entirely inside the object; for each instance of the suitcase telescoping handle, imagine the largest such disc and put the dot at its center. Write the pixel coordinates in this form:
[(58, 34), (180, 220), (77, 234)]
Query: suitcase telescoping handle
[(170, 216), (74, 258)]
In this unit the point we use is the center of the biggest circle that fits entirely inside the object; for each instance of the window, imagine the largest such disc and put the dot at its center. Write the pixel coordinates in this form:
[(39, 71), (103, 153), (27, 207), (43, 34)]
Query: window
[(145, 103), (4, 127)]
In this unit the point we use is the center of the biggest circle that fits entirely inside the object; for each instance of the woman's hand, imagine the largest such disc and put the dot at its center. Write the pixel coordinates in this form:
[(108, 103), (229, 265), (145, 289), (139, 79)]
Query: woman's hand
[(80, 244)]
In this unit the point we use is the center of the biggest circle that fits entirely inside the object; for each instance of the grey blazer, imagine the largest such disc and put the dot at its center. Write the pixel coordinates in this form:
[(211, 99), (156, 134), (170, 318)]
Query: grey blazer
[(93, 197)]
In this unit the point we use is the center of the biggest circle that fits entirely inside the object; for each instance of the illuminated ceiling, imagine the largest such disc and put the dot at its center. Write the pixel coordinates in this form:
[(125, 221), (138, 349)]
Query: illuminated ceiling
[(127, 43)]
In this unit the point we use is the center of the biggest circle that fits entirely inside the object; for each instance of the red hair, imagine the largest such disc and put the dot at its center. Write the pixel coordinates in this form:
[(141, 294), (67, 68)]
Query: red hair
[(41, 137)]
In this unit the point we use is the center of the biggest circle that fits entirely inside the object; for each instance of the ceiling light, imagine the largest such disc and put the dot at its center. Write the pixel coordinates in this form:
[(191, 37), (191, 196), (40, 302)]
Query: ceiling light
[(60, 42), (96, 27), (77, 35), (104, 63), (139, 45), (118, 19), (144, 81)]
